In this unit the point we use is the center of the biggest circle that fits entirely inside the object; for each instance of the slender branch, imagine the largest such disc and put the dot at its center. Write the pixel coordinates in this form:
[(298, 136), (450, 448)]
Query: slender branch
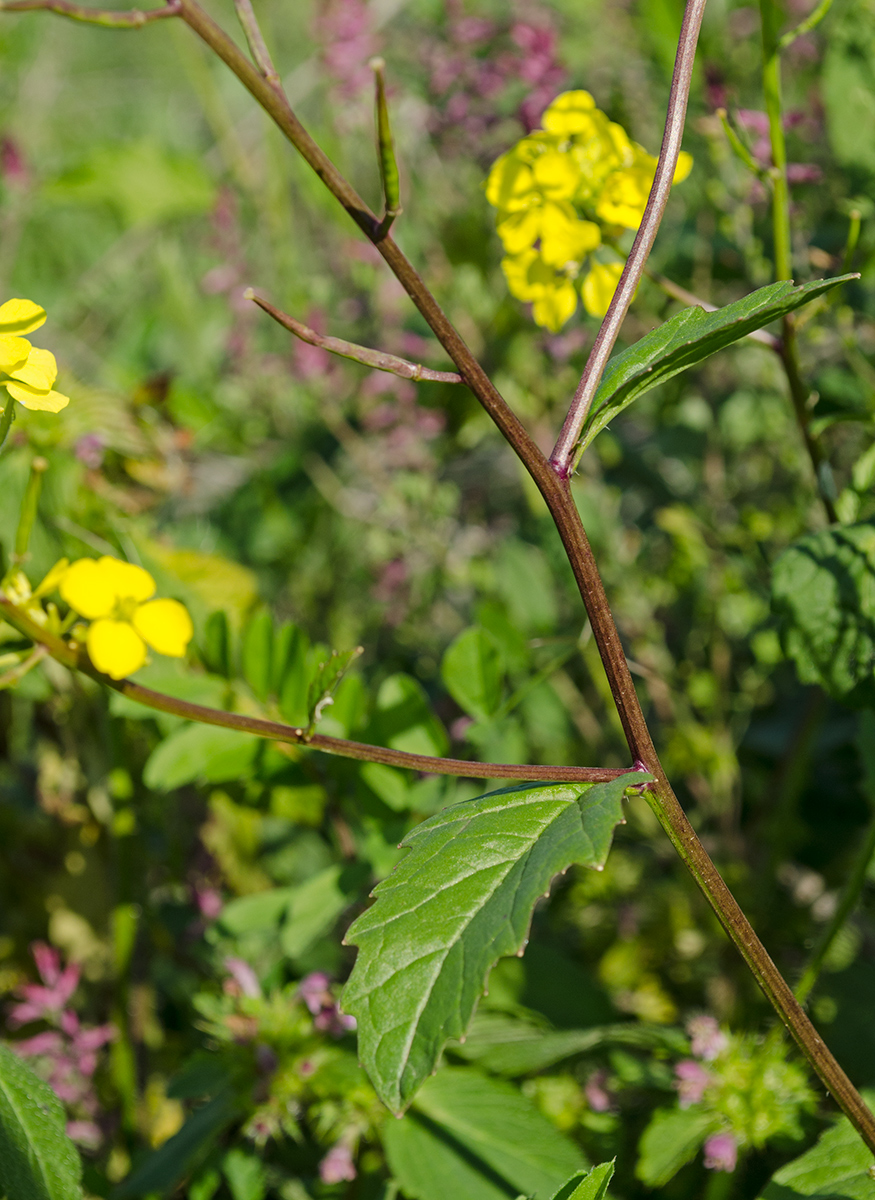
[(799, 393), (14, 674), (360, 354), (6, 418), (75, 659), (814, 18), (740, 150), (257, 45), (680, 293), (134, 18), (847, 904), (563, 451)]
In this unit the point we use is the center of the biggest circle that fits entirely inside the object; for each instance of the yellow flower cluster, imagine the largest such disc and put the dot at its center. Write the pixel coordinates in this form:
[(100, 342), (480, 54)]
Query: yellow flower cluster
[(27, 373), (116, 597), (563, 192)]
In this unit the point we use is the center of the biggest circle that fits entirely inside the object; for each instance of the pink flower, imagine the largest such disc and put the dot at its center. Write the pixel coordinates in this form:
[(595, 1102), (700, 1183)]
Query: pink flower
[(337, 1165), (209, 903), (314, 991), (721, 1152), (707, 1039), (86, 1133), (244, 977), (691, 1080), (598, 1099)]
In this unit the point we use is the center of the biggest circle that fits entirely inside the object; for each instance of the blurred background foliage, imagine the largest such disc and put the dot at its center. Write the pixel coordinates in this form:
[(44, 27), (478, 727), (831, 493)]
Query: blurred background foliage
[(199, 882)]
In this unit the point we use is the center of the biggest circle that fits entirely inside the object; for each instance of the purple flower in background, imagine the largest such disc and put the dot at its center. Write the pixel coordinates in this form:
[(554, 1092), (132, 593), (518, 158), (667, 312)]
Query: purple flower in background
[(597, 1096), (337, 1165), (89, 450), (315, 991), (707, 1039), (348, 43), (45, 1003), (721, 1152), (244, 977), (691, 1079)]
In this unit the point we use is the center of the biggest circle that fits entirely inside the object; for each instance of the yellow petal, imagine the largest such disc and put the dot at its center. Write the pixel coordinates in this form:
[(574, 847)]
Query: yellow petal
[(599, 287), (685, 165), (14, 352), (87, 589), (165, 625), (115, 648), (511, 185), (624, 196), (128, 581), (40, 371), (557, 174), (564, 237), (54, 577), (520, 230), (570, 113), (556, 306), (21, 316), (526, 275), (34, 398)]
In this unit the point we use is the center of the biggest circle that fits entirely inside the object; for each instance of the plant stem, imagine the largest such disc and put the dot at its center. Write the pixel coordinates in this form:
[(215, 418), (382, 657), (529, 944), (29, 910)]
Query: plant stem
[(781, 234), (6, 419), (563, 452), (360, 354), (134, 18), (847, 904), (255, 38)]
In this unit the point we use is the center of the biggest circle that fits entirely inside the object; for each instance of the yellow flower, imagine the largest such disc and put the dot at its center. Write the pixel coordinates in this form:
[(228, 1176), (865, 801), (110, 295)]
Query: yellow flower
[(116, 597), (599, 287), (550, 292), (27, 373)]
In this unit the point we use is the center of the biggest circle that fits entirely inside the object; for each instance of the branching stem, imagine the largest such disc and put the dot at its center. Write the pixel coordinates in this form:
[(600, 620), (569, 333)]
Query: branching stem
[(360, 354), (134, 18)]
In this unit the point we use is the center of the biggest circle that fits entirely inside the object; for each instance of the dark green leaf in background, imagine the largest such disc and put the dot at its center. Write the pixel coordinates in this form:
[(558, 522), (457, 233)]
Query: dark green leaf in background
[(37, 1159), (688, 338), (823, 591), (472, 670), (838, 1166), (164, 1167), (671, 1140), (462, 898), (473, 1138)]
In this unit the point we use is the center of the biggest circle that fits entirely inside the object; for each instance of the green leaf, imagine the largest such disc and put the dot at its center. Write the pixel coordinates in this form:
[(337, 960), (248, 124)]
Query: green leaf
[(256, 653), (462, 898), (389, 784), (173, 679), (823, 590), (206, 753), (404, 719), (671, 1140), (848, 84), (837, 1167), (474, 1138), (164, 1168), (472, 670), (316, 905), (216, 649), (293, 668), (37, 1159), (245, 1175), (688, 338), (593, 1185)]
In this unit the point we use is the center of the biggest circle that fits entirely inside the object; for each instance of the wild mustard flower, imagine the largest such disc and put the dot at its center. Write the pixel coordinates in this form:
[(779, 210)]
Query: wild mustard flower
[(560, 194), (27, 373), (116, 597)]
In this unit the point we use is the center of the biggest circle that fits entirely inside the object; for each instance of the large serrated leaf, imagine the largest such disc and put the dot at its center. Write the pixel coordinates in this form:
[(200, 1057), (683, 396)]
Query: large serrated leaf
[(475, 1138), (837, 1167), (37, 1159), (461, 899), (688, 338)]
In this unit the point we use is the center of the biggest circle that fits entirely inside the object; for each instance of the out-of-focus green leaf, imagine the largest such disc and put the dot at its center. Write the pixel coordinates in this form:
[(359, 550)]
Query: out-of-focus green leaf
[(256, 653), (472, 670), (314, 907), (837, 1166), (292, 683), (671, 1140), (848, 84), (164, 1168), (689, 337), (591, 1185), (144, 182), (245, 1175), (37, 1159), (823, 590), (216, 648), (474, 1138), (389, 784), (462, 898), (208, 753), (173, 679), (505, 1046), (404, 719)]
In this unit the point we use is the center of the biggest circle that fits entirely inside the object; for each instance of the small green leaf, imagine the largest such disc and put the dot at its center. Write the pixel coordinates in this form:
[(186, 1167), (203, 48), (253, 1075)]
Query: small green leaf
[(462, 898), (208, 753), (474, 1138), (593, 1185), (688, 338), (37, 1159), (216, 649), (836, 1168), (316, 904), (176, 1157), (823, 590), (404, 719), (671, 1140), (293, 669), (245, 1175), (472, 670), (256, 653)]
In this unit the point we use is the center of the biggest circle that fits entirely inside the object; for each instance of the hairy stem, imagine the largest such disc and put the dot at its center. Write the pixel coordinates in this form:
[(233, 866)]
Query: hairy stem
[(360, 354), (562, 457)]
